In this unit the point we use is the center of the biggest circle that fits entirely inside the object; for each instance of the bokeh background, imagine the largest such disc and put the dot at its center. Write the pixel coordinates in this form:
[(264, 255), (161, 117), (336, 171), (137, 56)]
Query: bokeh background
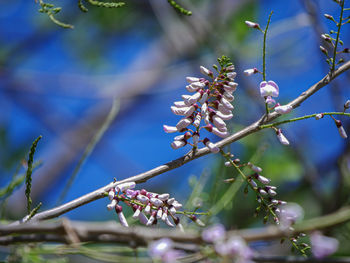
[(61, 83)]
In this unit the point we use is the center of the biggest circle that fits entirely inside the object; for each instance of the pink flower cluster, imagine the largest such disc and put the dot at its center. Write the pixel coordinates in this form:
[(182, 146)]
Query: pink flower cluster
[(210, 103), (234, 247), (157, 206)]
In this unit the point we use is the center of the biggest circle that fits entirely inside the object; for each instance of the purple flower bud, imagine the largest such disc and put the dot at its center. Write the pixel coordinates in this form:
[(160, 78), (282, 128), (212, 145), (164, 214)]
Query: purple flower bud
[(347, 104), (197, 120), (183, 123), (151, 219), (143, 218), (180, 104), (252, 24), (122, 220), (112, 204), (156, 202), (211, 146), (281, 137), (192, 79), (163, 197), (283, 109), (206, 71), (326, 38), (262, 179), (251, 71), (255, 168), (177, 144), (148, 209), (159, 213), (169, 129), (171, 201), (220, 133), (341, 129), (228, 164), (324, 51), (137, 212), (231, 75), (177, 205), (124, 186), (142, 198)]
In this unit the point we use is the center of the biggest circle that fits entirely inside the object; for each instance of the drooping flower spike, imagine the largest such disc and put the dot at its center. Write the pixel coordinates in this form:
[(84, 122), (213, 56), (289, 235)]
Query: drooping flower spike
[(208, 107)]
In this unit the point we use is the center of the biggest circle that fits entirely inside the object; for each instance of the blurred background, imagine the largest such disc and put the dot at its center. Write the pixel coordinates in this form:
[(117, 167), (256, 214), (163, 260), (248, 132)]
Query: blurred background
[(61, 83)]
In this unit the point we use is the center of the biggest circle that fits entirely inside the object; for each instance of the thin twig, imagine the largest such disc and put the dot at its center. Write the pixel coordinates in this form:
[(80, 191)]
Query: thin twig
[(111, 232)]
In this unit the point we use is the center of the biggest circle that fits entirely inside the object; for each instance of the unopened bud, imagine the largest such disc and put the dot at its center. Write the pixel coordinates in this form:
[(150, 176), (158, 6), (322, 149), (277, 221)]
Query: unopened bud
[(341, 129), (252, 24), (324, 51)]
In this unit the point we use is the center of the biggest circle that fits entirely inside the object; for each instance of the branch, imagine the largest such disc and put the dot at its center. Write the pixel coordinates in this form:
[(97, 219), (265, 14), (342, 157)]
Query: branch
[(111, 232), (143, 177)]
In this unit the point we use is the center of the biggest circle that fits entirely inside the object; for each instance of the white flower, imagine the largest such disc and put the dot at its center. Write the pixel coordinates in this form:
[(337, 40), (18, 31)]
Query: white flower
[(269, 88)]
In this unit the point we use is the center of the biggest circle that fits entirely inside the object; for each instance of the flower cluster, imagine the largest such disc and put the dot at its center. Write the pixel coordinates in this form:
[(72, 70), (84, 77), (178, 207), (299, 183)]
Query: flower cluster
[(144, 203), (265, 193), (233, 247), (210, 103)]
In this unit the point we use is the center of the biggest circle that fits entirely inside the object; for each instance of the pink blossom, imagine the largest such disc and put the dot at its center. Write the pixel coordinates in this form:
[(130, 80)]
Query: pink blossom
[(323, 246), (214, 233), (269, 88), (177, 144)]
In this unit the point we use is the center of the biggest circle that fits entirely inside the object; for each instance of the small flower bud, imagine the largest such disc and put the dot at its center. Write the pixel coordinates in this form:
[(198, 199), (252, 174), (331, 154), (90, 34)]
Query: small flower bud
[(197, 220), (283, 140), (123, 187), (228, 164), (284, 109), (347, 104), (111, 194), (211, 146), (341, 129), (262, 179), (251, 71), (329, 17), (319, 116), (252, 24), (192, 79), (206, 71), (324, 51), (255, 168), (112, 204), (326, 38)]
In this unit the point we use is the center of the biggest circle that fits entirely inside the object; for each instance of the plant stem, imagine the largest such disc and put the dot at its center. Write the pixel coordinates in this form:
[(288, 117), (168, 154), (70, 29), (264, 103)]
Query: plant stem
[(339, 24), (300, 118)]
